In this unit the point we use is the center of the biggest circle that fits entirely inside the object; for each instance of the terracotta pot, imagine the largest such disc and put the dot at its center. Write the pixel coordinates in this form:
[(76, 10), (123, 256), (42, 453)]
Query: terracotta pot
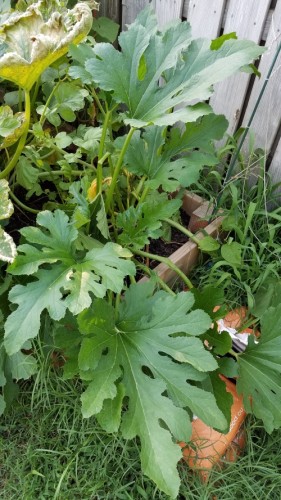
[(210, 447)]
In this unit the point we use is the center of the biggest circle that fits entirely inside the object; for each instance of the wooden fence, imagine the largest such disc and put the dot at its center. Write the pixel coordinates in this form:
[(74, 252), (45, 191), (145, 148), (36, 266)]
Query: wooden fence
[(257, 20)]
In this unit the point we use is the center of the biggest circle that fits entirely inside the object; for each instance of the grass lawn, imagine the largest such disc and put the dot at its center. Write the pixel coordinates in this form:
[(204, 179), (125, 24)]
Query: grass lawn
[(47, 451)]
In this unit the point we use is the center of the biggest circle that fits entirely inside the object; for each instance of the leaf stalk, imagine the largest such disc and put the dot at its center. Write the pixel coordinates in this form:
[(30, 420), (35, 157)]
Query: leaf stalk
[(12, 163), (118, 169), (168, 263)]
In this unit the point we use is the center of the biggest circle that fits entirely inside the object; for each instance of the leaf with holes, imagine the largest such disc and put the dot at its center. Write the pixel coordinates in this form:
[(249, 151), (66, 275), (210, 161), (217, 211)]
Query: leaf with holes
[(151, 347)]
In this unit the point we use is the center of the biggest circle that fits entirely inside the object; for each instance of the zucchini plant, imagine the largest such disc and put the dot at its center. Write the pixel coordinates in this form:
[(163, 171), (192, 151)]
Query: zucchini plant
[(95, 142)]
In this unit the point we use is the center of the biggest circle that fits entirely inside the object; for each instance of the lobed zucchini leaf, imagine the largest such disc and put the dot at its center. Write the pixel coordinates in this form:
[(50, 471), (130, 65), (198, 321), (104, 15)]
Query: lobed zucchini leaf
[(188, 69), (149, 354), (144, 222), (175, 161), (70, 282)]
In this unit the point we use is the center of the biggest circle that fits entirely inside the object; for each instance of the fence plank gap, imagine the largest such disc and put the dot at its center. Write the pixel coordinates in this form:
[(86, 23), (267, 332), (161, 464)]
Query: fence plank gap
[(111, 9), (167, 10), (130, 10), (268, 117), (205, 17), (247, 20)]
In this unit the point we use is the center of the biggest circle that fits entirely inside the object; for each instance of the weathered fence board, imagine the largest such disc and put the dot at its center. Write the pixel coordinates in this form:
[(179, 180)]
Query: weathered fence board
[(268, 118), (130, 10), (112, 9), (205, 17), (167, 10), (247, 19)]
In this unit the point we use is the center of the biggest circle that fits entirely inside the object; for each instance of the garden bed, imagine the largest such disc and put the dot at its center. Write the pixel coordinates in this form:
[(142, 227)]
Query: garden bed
[(186, 257)]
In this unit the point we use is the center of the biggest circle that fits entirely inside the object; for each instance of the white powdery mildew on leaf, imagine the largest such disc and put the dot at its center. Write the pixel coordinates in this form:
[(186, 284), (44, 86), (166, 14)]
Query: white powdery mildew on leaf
[(8, 250), (31, 44)]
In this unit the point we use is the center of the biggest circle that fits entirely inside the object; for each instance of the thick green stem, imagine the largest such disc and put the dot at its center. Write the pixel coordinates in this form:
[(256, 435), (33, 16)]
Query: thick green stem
[(98, 101), (35, 92), (12, 163), (183, 230), (101, 149), (117, 170), (22, 205), (168, 263), (151, 274), (233, 353), (139, 186), (144, 194), (42, 118), (117, 304)]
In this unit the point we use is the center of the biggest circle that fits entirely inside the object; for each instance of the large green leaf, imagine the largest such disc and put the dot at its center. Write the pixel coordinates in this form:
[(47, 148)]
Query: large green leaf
[(158, 159), (260, 372), (71, 281), (188, 69), (152, 349), (30, 43)]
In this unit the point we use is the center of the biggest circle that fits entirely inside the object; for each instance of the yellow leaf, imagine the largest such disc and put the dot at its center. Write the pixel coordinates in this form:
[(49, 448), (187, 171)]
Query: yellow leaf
[(45, 42)]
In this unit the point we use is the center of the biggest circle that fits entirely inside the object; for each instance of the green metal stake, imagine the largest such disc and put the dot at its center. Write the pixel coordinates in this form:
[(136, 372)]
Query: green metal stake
[(244, 135)]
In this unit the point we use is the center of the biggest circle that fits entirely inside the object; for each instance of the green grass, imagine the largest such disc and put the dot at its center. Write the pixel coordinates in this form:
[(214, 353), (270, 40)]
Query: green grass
[(48, 451)]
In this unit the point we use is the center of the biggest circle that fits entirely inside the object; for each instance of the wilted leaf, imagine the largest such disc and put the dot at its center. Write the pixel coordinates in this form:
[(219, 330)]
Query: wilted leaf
[(8, 249), (32, 44)]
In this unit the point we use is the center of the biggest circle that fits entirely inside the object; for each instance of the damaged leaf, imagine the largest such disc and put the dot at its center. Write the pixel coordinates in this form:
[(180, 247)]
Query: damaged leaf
[(29, 44)]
